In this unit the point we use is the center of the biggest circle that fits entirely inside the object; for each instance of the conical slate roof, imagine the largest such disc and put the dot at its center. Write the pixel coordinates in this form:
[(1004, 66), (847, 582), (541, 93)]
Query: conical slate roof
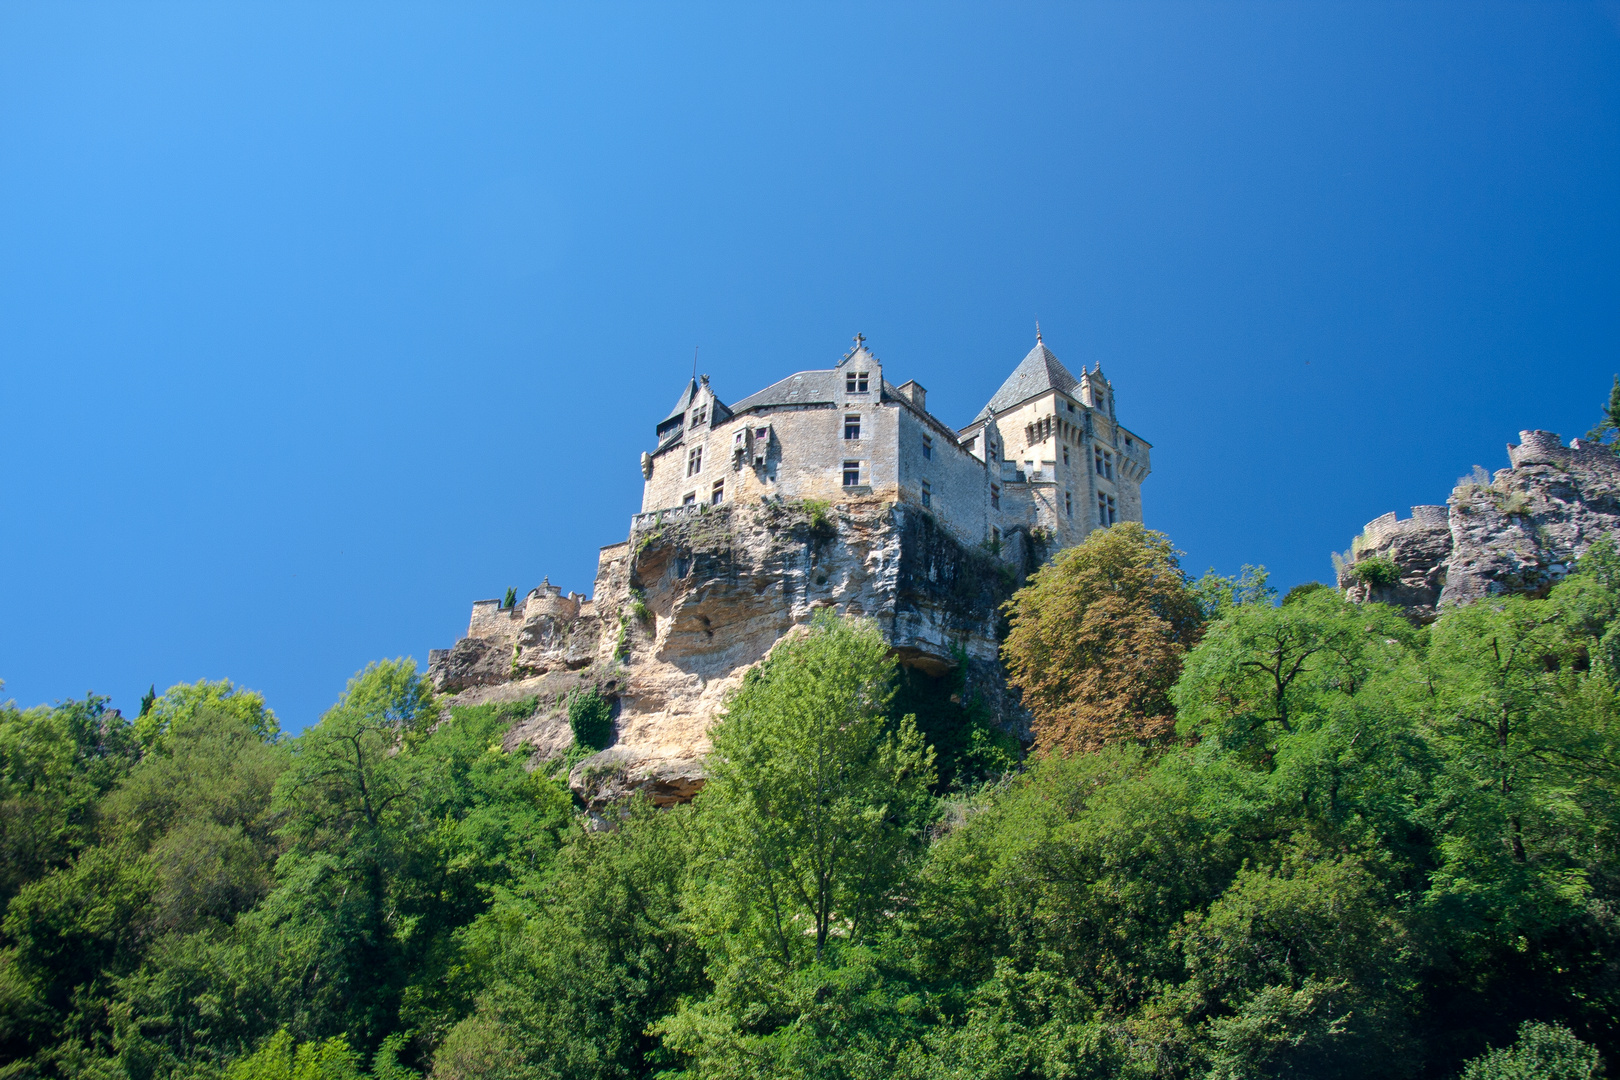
[(684, 403), (1037, 373)]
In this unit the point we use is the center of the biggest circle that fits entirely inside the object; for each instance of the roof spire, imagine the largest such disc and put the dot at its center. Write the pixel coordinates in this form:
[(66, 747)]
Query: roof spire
[(1037, 331)]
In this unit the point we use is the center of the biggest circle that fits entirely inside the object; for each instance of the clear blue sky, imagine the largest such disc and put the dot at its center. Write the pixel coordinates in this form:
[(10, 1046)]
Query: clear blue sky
[(320, 321)]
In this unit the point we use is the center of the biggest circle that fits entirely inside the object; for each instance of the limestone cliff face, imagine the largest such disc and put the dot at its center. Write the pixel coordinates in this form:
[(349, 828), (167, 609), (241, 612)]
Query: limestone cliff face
[(1520, 530), (697, 596)]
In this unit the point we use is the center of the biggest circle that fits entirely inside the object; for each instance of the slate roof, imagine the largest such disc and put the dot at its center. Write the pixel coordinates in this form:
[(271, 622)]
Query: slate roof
[(804, 388), (1037, 373), (683, 404)]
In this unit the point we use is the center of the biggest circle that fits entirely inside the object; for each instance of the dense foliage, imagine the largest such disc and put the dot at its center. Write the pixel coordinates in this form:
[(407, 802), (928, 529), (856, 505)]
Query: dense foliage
[(1367, 849), (1097, 637)]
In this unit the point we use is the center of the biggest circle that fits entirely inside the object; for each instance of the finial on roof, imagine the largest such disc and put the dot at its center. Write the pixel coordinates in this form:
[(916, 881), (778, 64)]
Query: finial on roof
[(705, 380), (860, 339), (1037, 331)]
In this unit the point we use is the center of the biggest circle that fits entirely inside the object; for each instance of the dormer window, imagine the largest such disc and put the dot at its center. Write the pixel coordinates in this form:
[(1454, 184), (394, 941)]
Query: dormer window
[(855, 382), (698, 414)]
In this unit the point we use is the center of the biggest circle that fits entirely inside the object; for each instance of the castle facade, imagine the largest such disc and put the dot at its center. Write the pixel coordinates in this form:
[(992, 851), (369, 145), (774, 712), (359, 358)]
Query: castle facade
[(1046, 452)]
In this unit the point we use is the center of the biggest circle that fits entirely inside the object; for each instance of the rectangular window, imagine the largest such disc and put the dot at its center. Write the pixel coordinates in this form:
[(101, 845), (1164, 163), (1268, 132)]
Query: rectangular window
[(717, 494), (1108, 466), (927, 494), (1071, 406), (1065, 455), (852, 474), (698, 414), (1105, 509), (689, 498), (1128, 443), (995, 496), (694, 461), (852, 428), (1098, 458), (1068, 504), (928, 446), (855, 382)]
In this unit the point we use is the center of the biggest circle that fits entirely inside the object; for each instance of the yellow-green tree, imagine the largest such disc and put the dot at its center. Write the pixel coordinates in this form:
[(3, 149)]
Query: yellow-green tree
[(1097, 638)]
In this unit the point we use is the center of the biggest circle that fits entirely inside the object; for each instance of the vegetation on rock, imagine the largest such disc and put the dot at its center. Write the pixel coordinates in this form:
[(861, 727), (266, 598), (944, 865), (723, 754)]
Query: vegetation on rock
[(1377, 570), (590, 715)]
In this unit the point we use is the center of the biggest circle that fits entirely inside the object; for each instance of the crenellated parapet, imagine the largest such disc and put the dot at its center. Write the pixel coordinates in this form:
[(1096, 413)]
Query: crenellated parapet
[(1518, 530)]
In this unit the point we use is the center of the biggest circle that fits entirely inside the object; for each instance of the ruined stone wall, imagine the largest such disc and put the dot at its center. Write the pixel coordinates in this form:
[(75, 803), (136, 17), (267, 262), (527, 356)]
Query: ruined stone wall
[(1518, 530)]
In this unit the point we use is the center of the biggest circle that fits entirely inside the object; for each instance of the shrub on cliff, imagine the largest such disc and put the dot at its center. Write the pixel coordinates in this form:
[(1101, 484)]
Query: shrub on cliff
[(1097, 638), (591, 717), (1378, 571)]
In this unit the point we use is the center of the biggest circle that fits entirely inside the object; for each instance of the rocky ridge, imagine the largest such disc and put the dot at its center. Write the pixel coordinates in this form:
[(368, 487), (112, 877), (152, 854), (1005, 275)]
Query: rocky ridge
[(1516, 531), (699, 595)]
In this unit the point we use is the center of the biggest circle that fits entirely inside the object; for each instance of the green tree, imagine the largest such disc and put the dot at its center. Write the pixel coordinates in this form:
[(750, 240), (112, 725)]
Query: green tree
[(1097, 638), (1608, 426), (55, 765), (1541, 1052), (1263, 672), (281, 1059), (185, 700), (198, 804), (814, 804), (573, 976)]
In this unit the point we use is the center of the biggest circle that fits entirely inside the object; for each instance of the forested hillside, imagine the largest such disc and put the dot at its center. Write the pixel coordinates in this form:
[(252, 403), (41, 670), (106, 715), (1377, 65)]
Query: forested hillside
[(1253, 839)]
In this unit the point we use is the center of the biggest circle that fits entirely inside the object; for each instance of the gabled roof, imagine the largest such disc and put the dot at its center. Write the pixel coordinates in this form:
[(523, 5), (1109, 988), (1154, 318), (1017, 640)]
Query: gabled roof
[(804, 388), (1037, 373)]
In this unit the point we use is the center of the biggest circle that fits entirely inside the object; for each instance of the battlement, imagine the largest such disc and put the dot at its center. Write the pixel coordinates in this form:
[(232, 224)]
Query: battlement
[(1423, 519), (1537, 448), (492, 622)]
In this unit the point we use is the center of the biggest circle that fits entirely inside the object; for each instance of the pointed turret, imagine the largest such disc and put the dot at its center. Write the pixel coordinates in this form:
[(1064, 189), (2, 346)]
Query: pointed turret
[(1038, 372)]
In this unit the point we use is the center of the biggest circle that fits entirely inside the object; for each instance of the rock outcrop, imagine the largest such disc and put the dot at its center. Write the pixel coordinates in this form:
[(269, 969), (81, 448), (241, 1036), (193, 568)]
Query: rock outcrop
[(698, 595), (1517, 531)]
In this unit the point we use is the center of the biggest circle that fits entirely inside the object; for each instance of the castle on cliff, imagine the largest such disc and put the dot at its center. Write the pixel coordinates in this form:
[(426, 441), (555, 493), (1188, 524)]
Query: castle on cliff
[(831, 490), (1047, 451)]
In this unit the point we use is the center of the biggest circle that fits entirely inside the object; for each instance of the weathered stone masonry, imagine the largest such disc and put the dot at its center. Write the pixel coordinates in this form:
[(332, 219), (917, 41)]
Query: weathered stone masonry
[(1517, 531)]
